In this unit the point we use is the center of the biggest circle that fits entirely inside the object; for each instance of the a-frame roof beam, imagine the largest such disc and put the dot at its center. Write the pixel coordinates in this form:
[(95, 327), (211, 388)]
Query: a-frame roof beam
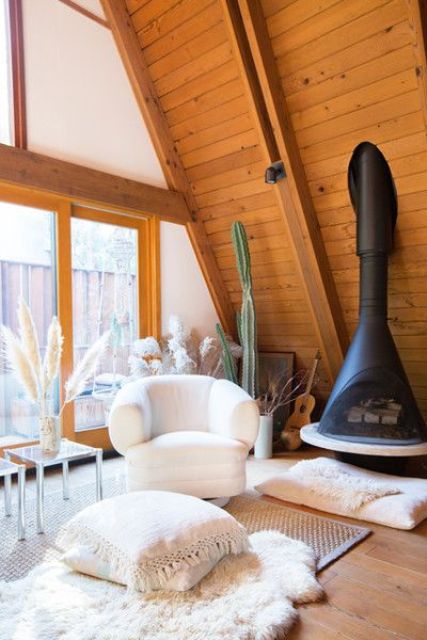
[(253, 50)]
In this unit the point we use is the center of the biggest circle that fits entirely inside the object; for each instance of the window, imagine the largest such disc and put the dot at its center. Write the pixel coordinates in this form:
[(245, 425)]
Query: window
[(97, 271), (6, 92), (104, 261), (27, 269)]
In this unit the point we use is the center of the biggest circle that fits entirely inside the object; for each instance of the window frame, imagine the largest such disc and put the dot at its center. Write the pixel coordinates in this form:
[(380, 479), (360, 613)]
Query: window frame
[(18, 74), (148, 279)]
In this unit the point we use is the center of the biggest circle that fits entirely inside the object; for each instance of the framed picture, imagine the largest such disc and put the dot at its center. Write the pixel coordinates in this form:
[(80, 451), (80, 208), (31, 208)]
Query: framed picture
[(270, 366)]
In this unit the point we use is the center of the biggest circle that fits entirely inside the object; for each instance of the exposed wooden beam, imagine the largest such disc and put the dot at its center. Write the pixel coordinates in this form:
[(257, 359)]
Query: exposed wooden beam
[(417, 15), (85, 12), (80, 184), (155, 120), (252, 46)]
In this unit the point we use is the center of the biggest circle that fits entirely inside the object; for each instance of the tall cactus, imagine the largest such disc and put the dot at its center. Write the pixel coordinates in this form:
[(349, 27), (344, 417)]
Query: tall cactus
[(247, 318)]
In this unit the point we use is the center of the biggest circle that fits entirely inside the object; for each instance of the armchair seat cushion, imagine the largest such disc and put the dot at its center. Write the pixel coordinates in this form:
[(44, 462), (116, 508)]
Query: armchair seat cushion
[(192, 462)]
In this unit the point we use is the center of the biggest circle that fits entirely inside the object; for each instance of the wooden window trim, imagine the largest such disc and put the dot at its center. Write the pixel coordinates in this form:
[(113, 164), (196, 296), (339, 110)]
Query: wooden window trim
[(18, 74), (148, 281), (86, 13)]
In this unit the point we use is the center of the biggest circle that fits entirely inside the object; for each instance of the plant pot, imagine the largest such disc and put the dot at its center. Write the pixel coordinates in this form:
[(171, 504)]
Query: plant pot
[(263, 447), (50, 433)]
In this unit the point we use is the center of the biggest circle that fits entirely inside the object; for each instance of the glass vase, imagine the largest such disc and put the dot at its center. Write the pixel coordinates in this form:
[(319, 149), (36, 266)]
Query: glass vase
[(50, 433)]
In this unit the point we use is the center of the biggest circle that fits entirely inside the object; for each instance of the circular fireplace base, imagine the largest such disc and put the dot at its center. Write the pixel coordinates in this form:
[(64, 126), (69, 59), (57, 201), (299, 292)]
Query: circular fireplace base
[(311, 435)]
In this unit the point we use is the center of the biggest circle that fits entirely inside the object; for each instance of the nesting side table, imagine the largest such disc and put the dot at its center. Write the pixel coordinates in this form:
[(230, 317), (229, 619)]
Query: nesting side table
[(34, 455), (7, 469)]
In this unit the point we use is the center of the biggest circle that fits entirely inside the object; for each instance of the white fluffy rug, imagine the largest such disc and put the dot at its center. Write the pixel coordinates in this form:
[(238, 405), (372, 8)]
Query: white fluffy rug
[(248, 597)]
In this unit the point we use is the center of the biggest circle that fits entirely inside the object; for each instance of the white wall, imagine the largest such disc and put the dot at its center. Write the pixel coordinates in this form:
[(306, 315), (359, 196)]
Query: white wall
[(80, 108), (184, 291)]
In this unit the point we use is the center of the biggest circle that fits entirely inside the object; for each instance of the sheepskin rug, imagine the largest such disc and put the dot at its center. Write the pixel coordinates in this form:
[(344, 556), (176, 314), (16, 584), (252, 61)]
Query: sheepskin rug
[(249, 596)]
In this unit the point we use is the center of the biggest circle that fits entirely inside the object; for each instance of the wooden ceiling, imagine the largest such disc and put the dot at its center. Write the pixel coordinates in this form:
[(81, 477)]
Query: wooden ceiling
[(227, 86)]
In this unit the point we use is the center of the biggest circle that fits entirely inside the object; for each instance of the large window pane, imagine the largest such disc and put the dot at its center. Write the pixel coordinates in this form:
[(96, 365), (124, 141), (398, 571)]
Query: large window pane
[(27, 268), (6, 94), (104, 259)]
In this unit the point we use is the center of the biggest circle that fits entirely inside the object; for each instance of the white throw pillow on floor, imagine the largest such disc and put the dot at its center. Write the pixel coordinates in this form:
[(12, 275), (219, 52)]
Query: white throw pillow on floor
[(150, 540), (389, 500)]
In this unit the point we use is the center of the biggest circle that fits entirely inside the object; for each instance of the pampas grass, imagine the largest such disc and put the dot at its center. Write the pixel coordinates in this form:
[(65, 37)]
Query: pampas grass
[(23, 357), (53, 355), (29, 339), (84, 370), (52, 359), (20, 364)]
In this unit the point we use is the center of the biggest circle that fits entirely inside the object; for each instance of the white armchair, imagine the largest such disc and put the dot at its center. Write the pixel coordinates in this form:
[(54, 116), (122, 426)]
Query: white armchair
[(185, 433)]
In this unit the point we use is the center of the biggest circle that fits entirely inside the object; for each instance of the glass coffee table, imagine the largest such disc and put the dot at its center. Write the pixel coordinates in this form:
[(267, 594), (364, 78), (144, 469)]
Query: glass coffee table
[(7, 470), (68, 452)]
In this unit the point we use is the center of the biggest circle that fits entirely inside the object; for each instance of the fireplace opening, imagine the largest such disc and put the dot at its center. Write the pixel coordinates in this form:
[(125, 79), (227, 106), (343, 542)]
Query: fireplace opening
[(375, 407)]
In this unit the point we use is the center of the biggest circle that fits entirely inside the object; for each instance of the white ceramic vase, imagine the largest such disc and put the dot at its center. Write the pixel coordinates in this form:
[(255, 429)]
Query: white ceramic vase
[(263, 447), (50, 433)]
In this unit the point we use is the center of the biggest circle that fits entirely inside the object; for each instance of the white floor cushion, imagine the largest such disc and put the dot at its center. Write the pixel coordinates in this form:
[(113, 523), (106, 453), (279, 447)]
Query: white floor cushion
[(336, 487), (151, 540)]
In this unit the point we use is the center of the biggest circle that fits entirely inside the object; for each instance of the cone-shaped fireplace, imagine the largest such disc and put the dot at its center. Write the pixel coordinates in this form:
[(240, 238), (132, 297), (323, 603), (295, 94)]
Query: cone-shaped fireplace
[(372, 401)]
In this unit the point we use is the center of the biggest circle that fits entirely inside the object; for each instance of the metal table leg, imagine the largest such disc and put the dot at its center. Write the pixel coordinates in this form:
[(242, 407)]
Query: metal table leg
[(65, 480), (8, 495), (21, 502), (40, 497), (7, 491), (99, 474)]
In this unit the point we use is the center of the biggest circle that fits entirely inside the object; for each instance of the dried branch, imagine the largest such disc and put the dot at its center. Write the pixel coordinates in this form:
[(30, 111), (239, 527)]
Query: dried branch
[(281, 391)]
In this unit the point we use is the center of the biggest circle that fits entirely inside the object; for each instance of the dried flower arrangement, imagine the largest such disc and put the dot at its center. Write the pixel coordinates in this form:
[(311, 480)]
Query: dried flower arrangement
[(280, 391), (178, 352), (22, 353)]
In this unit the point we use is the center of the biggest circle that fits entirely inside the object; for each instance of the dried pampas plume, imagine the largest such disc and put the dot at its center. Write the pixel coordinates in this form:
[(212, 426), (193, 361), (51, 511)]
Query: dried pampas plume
[(83, 371), (53, 354), (19, 363), (29, 339)]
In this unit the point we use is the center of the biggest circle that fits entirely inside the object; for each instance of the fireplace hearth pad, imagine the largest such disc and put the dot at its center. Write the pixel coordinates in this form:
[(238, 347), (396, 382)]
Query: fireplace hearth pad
[(311, 435)]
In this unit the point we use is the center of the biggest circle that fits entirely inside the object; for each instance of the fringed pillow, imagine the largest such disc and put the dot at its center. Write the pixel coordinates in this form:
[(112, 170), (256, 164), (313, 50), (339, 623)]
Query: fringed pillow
[(150, 540)]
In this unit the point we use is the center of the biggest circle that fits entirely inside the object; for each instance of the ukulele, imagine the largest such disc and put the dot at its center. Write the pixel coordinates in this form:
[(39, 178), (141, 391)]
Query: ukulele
[(304, 405)]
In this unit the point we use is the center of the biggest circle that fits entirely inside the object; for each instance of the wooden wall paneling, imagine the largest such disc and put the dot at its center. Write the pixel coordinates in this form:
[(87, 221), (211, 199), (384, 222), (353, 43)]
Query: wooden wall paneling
[(334, 68), (417, 18), (132, 55), (293, 195), (380, 12), (35, 171), (205, 15)]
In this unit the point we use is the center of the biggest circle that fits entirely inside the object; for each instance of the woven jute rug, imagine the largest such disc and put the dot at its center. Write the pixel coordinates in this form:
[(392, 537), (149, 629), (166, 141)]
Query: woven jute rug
[(329, 538)]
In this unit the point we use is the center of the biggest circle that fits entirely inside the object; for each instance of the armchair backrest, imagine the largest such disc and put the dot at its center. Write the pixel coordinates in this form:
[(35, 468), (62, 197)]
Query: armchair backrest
[(178, 402), (155, 405)]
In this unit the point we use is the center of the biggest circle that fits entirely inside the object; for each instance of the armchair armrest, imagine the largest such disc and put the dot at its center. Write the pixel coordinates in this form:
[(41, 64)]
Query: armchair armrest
[(129, 422), (233, 413)]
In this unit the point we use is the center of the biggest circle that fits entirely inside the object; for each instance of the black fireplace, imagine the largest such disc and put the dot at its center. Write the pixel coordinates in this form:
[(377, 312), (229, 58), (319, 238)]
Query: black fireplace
[(372, 401)]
